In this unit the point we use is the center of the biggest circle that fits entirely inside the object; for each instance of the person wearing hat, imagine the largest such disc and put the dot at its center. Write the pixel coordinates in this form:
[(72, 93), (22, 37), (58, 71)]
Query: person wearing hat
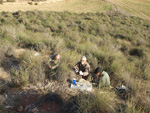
[(101, 78), (82, 68)]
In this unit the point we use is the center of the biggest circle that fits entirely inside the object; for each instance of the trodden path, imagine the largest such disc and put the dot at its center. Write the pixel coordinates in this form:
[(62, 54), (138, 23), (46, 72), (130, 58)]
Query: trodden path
[(138, 8)]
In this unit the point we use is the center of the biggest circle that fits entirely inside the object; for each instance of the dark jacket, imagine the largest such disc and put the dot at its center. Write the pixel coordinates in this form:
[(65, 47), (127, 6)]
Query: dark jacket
[(85, 68)]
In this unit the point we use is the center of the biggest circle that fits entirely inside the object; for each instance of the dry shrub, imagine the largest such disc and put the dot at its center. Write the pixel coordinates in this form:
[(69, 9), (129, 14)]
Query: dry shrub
[(92, 61), (50, 44), (143, 67), (86, 48), (91, 103), (19, 77), (8, 32), (139, 102), (139, 91), (67, 62), (30, 3), (35, 3), (33, 64), (109, 61), (142, 101), (6, 49), (57, 44)]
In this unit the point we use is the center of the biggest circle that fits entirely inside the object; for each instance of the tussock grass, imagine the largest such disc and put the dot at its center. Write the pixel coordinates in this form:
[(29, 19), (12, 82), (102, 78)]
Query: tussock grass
[(117, 43), (7, 49), (34, 67), (19, 77), (91, 103)]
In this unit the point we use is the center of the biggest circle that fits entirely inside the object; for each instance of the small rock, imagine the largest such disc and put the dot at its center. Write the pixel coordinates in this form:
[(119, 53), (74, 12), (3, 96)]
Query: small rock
[(20, 108)]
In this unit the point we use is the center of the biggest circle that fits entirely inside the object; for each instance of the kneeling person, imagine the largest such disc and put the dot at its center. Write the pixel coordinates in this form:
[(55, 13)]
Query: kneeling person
[(53, 61), (82, 68), (53, 64), (101, 78)]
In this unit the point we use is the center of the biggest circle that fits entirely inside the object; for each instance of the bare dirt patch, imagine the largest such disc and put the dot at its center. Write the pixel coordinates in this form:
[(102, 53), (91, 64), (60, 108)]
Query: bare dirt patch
[(50, 108)]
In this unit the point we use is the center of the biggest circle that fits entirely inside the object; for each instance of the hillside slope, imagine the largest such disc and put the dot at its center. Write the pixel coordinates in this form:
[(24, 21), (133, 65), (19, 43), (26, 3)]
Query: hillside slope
[(120, 44), (140, 8)]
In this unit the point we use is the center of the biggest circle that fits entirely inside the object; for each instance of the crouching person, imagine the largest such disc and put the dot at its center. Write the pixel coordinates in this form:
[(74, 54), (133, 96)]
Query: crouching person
[(82, 68), (53, 64), (101, 78)]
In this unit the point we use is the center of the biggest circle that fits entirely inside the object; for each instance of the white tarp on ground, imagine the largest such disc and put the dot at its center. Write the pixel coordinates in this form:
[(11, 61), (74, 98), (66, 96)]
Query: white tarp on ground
[(82, 85)]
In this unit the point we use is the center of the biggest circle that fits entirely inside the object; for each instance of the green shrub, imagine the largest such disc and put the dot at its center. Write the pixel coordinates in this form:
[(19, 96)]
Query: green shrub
[(86, 48), (28, 40)]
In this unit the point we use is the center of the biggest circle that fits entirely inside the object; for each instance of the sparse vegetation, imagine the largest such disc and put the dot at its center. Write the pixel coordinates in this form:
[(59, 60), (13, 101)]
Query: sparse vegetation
[(11, 0), (116, 42), (30, 3), (35, 3), (1, 1)]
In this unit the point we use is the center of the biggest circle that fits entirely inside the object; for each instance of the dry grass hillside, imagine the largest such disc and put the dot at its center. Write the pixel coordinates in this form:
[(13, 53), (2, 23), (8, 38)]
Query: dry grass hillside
[(140, 8), (112, 34), (116, 42)]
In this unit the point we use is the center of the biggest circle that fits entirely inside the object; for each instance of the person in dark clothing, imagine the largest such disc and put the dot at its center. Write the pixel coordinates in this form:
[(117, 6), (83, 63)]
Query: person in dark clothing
[(82, 68)]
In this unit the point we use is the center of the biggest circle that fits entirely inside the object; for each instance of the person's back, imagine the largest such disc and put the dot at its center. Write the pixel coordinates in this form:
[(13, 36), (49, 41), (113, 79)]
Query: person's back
[(104, 79), (101, 78)]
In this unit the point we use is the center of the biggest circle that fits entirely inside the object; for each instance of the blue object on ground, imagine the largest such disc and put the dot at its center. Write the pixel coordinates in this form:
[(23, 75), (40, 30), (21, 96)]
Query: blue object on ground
[(74, 81)]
